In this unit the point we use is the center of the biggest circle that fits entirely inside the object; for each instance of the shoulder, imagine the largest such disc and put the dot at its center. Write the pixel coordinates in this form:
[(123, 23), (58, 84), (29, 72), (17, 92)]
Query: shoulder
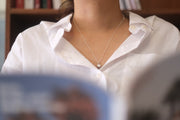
[(38, 30), (47, 30), (161, 35), (160, 25), (33, 36), (163, 28), (164, 34), (152, 22), (157, 26)]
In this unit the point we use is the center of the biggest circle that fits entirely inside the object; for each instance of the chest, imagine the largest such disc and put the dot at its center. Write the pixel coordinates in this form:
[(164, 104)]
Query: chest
[(99, 48)]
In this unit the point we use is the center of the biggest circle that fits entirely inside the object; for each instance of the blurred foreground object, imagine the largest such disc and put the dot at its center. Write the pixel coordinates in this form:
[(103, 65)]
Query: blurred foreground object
[(156, 95), (29, 97)]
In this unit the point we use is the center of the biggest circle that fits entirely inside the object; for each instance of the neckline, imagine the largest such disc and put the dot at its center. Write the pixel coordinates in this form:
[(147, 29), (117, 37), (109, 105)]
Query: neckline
[(80, 54), (90, 64)]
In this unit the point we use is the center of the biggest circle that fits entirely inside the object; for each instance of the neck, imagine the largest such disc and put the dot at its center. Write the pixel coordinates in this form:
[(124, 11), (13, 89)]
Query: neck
[(97, 14)]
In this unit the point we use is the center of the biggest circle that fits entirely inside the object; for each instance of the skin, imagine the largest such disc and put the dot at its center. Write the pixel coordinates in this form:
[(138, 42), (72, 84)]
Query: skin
[(97, 20)]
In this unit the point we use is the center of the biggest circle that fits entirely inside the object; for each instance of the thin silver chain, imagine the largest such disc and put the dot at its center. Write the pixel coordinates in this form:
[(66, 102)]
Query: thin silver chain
[(107, 45)]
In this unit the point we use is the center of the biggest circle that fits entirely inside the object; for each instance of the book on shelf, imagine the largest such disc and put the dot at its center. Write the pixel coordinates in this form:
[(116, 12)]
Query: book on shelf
[(56, 4), (37, 4), (130, 4), (122, 4), (46, 4), (43, 4), (49, 4), (29, 4), (133, 5), (138, 4), (19, 3)]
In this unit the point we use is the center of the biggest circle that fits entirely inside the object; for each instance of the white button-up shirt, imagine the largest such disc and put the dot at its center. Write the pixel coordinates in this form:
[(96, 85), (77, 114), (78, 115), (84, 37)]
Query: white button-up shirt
[(42, 49)]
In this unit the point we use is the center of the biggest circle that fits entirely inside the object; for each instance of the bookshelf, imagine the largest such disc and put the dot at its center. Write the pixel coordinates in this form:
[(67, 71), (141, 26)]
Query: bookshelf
[(18, 20), (166, 9)]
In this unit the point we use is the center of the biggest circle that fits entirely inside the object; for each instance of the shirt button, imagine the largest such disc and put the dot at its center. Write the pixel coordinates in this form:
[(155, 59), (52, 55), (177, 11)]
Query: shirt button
[(101, 79), (144, 27), (99, 75), (132, 27)]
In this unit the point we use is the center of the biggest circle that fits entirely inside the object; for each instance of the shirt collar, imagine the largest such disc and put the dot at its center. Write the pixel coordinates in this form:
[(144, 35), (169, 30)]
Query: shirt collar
[(137, 23), (140, 29), (64, 23), (56, 31)]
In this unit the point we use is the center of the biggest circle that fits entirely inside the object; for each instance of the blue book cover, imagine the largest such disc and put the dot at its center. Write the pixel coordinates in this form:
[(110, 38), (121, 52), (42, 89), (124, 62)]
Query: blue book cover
[(28, 97)]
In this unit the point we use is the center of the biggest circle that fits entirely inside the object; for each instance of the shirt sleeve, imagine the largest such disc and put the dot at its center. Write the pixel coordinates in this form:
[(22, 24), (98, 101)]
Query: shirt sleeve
[(14, 61)]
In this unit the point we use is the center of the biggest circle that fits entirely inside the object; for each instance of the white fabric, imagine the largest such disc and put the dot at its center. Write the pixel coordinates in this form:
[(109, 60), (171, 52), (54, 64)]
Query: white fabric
[(42, 49)]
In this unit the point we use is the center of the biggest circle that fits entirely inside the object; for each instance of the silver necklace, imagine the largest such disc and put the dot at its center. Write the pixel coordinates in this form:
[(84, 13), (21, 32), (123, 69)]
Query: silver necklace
[(98, 65)]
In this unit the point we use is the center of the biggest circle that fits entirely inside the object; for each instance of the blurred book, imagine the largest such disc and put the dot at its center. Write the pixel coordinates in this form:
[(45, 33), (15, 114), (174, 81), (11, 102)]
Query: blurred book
[(130, 4), (49, 4), (138, 4), (122, 4), (156, 94), (56, 4), (29, 4), (37, 4), (19, 3), (43, 3), (53, 98), (46, 4), (133, 5)]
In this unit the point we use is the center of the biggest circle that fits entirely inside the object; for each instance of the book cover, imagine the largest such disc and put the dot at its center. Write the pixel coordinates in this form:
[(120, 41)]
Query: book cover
[(29, 4), (156, 94), (19, 3), (37, 4), (29, 97), (56, 4)]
